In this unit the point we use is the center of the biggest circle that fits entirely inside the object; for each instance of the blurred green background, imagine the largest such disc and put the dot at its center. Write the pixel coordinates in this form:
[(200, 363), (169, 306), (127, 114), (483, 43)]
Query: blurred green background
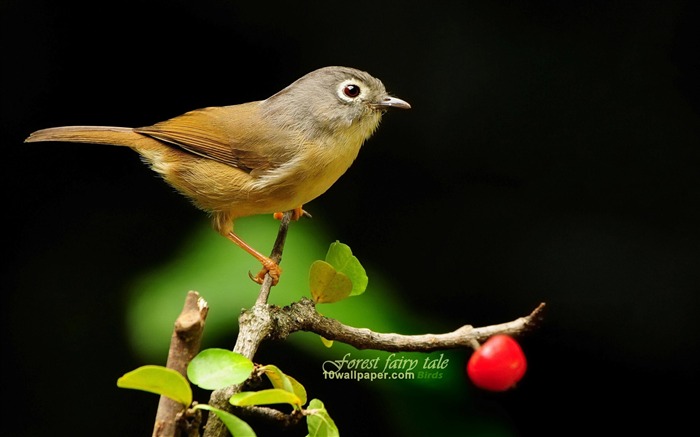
[(551, 154)]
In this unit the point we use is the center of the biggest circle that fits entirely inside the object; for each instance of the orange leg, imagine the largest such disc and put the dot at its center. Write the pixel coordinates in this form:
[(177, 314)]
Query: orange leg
[(269, 266)]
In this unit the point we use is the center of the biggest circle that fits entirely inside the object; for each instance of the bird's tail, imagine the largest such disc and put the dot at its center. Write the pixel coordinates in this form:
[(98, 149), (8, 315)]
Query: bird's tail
[(116, 136)]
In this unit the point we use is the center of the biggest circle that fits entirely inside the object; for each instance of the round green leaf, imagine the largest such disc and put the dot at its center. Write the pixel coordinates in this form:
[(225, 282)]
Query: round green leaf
[(327, 284), (214, 368), (341, 258), (159, 380)]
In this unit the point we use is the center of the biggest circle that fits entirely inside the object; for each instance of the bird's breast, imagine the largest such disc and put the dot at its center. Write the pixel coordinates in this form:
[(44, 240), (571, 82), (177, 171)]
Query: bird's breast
[(316, 167)]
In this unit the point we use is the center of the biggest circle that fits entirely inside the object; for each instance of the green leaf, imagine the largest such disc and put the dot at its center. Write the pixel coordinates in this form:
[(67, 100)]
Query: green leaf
[(327, 284), (285, 382), (326, 342), (236, 426), (265, 397), (341, 258), (299, 390), (277, 378), (319, 422), (213, 369), (159, 380)]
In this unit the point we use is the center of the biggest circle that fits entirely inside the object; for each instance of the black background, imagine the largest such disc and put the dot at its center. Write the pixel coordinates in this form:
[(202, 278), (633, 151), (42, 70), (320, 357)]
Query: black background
[(551, 154)]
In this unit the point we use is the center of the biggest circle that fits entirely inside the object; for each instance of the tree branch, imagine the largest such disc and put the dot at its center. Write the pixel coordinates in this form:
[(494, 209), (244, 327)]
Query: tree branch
[(184, 345), (264, 322), (302, 316)]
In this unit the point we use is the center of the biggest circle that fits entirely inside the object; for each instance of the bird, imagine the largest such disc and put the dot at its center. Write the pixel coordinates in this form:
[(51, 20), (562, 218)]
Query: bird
[(266, 156)]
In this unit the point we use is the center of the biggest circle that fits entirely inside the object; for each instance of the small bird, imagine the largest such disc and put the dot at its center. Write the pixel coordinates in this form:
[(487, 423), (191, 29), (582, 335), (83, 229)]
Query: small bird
[(260, 157)]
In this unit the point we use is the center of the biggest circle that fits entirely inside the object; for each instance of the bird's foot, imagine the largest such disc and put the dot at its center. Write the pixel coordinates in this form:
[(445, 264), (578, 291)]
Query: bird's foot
[(297, 213), (269, 268)]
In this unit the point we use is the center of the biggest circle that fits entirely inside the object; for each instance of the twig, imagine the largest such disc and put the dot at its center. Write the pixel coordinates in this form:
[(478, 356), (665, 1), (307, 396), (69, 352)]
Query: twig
[(302, 316), (184, 345)]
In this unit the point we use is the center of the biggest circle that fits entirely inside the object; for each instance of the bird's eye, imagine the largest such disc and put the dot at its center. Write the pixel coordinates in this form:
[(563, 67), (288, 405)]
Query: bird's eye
[(351, 90)]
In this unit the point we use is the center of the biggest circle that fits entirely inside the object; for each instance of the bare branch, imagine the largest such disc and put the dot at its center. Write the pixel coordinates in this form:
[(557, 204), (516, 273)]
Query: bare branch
[(302, 316), (184, 345)]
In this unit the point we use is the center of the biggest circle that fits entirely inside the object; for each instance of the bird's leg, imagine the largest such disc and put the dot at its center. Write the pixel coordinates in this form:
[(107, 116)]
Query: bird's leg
[(269, 266)]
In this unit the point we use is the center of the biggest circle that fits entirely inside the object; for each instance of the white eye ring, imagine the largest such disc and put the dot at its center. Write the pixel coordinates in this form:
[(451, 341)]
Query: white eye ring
[(350, 90)]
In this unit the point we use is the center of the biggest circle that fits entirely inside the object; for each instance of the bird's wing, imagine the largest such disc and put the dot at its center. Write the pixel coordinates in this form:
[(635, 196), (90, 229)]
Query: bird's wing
[(233, 135)]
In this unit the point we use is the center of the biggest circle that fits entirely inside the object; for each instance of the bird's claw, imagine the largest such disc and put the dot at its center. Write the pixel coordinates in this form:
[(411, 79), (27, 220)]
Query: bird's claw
[(274, 270)]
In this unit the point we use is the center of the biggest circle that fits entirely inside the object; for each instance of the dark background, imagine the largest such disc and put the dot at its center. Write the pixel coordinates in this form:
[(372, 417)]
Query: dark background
[(552, 154)]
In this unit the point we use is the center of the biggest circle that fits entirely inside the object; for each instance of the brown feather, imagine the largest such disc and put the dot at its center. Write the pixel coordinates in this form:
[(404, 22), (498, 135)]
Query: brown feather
[(232, 135)]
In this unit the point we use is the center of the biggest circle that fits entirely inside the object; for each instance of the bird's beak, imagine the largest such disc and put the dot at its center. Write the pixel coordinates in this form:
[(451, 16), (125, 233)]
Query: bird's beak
[(391, 102)]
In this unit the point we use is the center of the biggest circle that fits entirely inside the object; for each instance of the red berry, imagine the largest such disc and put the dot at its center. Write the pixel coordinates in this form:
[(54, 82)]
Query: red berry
[(498, 364)]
